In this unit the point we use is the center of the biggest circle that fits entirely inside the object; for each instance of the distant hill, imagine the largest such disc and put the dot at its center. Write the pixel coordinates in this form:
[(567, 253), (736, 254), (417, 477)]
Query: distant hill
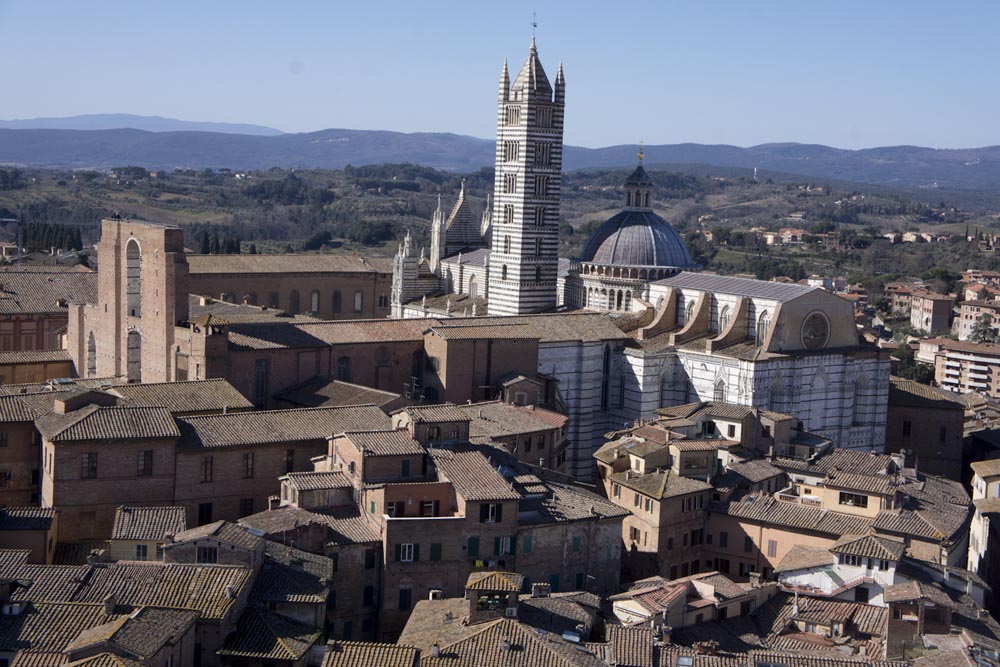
[(118, 121), (897, 166)]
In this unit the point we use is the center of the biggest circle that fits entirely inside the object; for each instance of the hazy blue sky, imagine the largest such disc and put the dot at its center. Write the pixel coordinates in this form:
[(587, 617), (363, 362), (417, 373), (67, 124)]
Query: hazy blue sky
[(847, 73)]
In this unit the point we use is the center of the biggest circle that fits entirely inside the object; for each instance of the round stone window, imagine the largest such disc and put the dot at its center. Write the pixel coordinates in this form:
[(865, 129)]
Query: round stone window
[(815, 331)]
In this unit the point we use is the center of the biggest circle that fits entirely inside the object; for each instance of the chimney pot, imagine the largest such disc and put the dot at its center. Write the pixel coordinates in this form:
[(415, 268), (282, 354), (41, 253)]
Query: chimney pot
[(436, 650)]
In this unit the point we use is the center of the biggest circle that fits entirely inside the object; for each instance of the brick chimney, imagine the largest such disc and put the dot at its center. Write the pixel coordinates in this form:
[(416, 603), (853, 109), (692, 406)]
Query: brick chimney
[(539, 590)]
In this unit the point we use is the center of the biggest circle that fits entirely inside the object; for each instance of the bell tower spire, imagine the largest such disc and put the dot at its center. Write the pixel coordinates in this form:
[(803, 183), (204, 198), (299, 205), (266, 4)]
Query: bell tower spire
[(524, 223)]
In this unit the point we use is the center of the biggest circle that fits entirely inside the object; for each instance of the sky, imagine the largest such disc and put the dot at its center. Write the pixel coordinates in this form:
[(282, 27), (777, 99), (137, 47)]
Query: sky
[(850, 74)]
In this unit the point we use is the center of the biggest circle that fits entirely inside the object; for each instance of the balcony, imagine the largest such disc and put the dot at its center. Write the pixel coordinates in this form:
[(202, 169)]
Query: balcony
[(979, 367), (977, 385), (791, 496)]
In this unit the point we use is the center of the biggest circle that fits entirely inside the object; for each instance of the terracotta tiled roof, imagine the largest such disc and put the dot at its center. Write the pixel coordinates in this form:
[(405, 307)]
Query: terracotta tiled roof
[(291, 575), (50, 626), (513, 644), (14, 409), (842, 460), (117, 422), (223, 531), (204, 588), (345, 525), (185, 397), (659, 485), (910, 393), (869, 546), (324, 334), (277, 426), (444, 412), (884, 485), (767, 510), (12, 558), (495, 418), (100, 660), (385, 442), (565, 502), (324, 392), (802, 557), (369, 654), (263, 635), (142, 633), (473, 476), (39, 291), (26, 518), (490, 330), (911, 591), (509, 582), (147, 523), (290, 263), (987, 468), (315, 481), (33, 357)]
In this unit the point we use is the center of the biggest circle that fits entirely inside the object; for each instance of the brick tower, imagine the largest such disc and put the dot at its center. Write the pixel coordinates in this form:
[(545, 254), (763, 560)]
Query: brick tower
[(525, 221)]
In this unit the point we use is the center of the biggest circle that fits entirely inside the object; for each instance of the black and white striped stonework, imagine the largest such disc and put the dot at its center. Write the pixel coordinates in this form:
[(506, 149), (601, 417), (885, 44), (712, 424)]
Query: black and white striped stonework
[(525, 217)]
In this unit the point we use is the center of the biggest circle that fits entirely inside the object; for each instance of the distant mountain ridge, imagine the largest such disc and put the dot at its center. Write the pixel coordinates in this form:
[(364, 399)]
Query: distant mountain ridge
[(897, 166), (119, 121)]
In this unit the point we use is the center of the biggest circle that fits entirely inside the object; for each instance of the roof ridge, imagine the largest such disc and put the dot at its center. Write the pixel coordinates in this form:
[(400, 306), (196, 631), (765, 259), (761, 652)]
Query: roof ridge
[(323, 408)]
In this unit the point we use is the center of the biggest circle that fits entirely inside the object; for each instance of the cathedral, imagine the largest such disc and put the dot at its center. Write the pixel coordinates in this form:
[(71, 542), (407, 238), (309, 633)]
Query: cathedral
[(688, 336)]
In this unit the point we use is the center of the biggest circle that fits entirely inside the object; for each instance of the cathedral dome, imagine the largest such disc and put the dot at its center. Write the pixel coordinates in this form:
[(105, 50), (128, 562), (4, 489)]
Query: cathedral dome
[(637, 238)]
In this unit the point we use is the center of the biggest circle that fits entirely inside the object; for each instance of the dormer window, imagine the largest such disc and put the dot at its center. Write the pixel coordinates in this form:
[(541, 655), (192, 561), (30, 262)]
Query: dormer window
[(433, 433)]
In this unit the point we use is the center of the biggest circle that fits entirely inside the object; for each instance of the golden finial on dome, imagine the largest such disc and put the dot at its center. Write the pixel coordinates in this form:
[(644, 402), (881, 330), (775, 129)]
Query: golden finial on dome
[(641, 154)]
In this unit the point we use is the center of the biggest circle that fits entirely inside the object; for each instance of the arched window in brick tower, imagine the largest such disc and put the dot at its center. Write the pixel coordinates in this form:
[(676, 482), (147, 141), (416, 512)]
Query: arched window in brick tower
[(274, 301), (293, 302), (133, 278), (359, 301), (314, 301), (338, 304), (344, 369)]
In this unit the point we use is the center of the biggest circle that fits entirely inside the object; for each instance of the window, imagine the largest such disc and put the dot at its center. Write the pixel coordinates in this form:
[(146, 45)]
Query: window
[(538, 247), (638, 500), (724, 318), (907, 427), (543, 117), (359, 301), (472, 547), (543, 153), (369, 559), (206, 469), (541, 186), (404, 468), (510, 151), (526, 544), (207, 555), (3, 439), (670, 543), (576, 544), (539, 216), (383, 301), (720, 392), (503, 272), (248, 465), (141, 552), (616, 490), (506, 244), (260, 377), (634, 534), (88, 466), (429, 508), (851, 559), (406, 553), (861, 594), (314, 301), (942, 434), (433, 433), (853, 499), (731, 431), (508, 214), (368, 597), (490, 513), (289, 460), (649, 504), (273, 301), (509, 184), (405, 599), (395, 508), (747, 544), (293, 302), (338, 301), (512, 115), (144, 463), (538, 274), (246, 506), (763, 324), (435, 551), (723, 539), (204, 513), (772, 548), (503, 546), (344, 369)]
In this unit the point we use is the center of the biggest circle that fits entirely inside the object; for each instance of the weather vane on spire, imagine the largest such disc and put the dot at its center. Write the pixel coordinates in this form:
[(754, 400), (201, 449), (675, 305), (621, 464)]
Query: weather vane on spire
[(641, 154), (534, 24)]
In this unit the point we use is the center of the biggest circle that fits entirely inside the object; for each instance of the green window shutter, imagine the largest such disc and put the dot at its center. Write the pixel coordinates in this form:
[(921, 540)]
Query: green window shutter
[(499, 512), (526, 544), (496, 546), (399, 549), (554, 582), (372, 510), (579, 581), (576, 543), (474, 547), (435, 551), (416, 552)]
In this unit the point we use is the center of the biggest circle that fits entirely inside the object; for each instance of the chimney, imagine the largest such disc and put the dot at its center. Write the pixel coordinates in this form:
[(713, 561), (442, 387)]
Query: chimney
[(273, 502), (665, 631), (436, 650), (168, 538), (110, 602), (539, 590), (505, 645), (755, 580), (231, 592)]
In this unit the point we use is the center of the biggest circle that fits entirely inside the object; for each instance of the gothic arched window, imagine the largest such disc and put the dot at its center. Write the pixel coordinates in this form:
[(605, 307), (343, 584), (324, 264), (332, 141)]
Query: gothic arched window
[(720, 392), (763, 324), (724, 316), (858, 403), (689, 312)]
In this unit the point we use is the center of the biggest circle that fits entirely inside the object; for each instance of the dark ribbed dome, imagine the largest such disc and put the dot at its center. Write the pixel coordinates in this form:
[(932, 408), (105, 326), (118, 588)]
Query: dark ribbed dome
[(637, 238)]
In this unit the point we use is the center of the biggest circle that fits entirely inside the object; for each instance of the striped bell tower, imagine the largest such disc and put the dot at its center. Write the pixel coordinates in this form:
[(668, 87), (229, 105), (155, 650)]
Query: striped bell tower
[(525, 220)]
